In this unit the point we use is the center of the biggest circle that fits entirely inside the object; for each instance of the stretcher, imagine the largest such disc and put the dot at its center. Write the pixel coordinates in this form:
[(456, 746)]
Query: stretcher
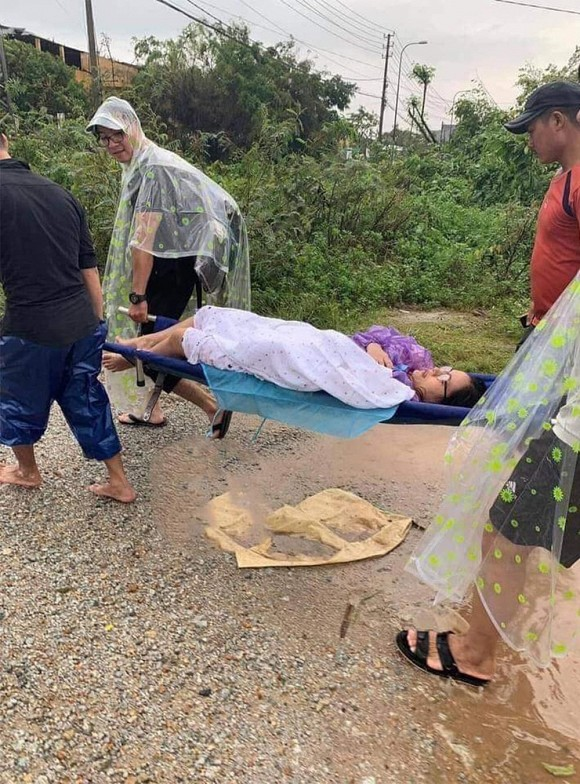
[(316, 411)]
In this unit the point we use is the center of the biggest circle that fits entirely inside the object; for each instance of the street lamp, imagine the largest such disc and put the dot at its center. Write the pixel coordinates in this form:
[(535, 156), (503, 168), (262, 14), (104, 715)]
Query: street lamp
[(413, 43)]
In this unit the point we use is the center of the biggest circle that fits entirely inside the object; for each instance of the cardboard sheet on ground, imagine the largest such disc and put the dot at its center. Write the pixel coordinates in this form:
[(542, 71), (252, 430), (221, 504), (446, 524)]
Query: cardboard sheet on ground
[(331, 518)]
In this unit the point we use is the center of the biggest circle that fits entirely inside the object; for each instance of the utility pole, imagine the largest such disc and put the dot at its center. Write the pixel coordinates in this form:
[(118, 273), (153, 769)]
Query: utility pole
[(385, 82), (93, 57), (4, 94)]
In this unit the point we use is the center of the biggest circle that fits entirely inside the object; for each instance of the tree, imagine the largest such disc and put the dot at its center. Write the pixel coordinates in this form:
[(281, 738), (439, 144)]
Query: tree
[(424, 74), (39, 81), (497, 162), (364, 124), (203, 82), (413, 109)]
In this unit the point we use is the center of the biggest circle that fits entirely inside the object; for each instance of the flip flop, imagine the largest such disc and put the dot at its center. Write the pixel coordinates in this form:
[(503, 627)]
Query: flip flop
[(220, 425), (138, 422), (418, 657)]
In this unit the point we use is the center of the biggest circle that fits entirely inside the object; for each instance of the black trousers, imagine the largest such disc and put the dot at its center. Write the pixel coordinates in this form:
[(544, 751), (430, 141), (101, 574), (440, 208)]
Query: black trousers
[(526, 509), (526, 334), (171, 285)]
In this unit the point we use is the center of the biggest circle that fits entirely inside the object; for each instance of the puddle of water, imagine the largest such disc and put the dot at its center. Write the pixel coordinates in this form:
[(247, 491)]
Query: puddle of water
[(528, 717)]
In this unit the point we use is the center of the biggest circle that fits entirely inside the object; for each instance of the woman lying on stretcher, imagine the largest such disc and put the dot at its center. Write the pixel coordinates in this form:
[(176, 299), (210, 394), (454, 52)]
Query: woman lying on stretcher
[(390, 369)]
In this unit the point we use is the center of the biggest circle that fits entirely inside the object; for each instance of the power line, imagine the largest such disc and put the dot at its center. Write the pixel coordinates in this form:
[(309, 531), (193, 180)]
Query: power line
[(372, 95), (205, 11), (542, 7), (247, 22), (441, 98), (221, 22), (336, 35), (285, 32), (412, 87), (405, 54), (369, 95), (205, 23), (485, 90), (432, 104), (364, 18), (372, 32), (305, 43), (293, 38), (364, 39), (221, 31)]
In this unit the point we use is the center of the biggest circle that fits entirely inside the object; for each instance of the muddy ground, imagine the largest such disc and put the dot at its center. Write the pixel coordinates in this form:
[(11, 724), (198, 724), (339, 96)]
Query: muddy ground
[(401, 725), (135, 652)]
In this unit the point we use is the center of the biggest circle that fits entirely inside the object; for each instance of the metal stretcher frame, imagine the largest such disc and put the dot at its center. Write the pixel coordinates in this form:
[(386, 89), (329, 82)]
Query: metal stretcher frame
[(407, 413)]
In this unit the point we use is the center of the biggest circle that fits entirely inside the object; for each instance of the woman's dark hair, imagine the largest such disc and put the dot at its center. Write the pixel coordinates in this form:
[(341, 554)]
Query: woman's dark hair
[(467, 397)]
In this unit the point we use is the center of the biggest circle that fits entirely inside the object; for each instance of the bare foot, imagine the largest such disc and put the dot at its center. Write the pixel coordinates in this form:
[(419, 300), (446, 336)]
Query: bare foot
[(115, 362), (468, 661), (210, 411), (122, 493), (13, 475), (143, 342)]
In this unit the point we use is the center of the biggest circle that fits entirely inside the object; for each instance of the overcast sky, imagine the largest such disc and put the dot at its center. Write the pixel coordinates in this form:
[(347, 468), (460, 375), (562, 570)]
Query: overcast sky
[(468, 40)]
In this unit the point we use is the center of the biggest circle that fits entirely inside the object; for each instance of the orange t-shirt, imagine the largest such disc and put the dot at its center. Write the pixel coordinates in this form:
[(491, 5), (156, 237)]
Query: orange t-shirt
[(556, 254)]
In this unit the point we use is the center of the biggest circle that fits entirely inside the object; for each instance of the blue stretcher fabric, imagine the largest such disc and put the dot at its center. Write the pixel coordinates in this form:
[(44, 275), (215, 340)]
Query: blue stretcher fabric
[(316, 411)]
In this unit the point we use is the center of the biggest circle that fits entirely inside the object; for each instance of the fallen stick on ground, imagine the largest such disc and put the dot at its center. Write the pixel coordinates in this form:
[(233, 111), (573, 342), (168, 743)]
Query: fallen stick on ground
[(352, 611)]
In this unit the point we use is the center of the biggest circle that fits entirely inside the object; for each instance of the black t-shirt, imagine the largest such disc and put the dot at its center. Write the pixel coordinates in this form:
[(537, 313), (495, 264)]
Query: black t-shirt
[(44, 245)]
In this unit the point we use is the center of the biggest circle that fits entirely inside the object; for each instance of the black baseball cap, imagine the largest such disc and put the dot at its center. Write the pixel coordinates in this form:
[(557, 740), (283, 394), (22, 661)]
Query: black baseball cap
[(549, 96)]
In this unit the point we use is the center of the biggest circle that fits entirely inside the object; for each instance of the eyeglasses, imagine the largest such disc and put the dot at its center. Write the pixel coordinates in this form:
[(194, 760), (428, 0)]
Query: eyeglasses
[(444, 375), (116, 137)]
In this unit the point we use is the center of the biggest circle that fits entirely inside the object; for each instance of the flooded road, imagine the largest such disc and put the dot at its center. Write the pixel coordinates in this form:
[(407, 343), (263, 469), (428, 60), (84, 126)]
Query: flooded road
[(527, 717)]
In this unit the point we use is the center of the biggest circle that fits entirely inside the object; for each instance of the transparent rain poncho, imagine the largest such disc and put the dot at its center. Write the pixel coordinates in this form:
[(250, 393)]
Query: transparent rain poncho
[(528, 424), (172, 210)]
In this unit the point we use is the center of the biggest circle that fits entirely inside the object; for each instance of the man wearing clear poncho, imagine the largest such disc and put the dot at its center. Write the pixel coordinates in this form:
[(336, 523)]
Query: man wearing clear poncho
[(176, 232)]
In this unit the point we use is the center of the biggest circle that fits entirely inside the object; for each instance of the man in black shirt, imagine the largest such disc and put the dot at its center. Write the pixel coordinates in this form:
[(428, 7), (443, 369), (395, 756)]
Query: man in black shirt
[(52, 334)]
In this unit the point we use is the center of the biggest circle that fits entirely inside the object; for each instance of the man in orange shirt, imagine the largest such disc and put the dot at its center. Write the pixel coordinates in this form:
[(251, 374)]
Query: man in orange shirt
[(549, 117)]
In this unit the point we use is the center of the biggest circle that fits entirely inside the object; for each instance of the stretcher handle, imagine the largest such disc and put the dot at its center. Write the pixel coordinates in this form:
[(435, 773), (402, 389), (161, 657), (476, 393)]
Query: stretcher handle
[(139, 372), (125, 311)]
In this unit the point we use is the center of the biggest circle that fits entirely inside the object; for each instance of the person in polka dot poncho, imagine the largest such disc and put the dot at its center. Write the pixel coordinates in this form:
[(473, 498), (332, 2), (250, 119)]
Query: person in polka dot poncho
[(507, 532)]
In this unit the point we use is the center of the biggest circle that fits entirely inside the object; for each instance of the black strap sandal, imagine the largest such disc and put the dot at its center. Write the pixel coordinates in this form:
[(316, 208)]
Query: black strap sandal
[(220, 425), (419, 656), (135, 421)]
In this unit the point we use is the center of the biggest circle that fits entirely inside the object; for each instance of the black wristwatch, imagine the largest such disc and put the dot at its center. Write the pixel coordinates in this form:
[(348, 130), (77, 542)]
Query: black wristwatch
[(137, 299)]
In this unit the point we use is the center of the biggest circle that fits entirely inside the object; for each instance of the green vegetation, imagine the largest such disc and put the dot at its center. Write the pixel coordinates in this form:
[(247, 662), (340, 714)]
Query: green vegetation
[(333, 241), (228, 91), (41, 82)]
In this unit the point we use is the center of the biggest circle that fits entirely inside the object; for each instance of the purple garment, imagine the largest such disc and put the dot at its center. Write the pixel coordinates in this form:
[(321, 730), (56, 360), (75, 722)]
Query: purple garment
[(402, 349)]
